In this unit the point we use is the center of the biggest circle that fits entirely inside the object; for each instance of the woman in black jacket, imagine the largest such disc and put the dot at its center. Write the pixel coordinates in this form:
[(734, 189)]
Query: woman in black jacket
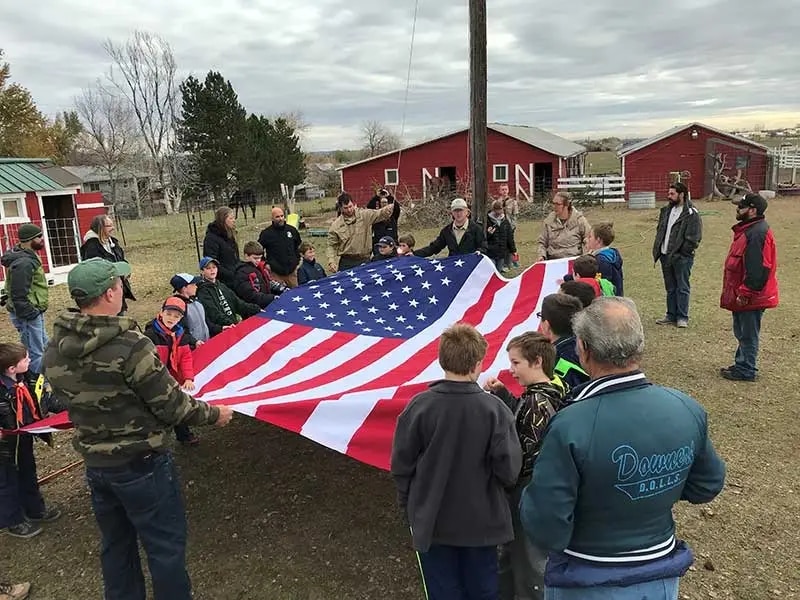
[(220, 244), (99, 243)]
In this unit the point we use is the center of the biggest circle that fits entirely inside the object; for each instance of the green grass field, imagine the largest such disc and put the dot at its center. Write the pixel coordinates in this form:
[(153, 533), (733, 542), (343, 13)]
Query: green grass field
[(598, 163), (274, 516)]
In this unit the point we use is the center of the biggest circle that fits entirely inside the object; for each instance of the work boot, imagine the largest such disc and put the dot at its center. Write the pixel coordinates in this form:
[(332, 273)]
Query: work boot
[(24, 530), (734, 374), (665, 321), (14, 591)]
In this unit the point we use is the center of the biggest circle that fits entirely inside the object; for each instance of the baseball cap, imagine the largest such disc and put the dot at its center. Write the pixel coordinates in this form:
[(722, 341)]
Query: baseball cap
[(208, 259), (181, 280), (174, 303), (752, 201), (91, 278), (386, 241), (458, 203)]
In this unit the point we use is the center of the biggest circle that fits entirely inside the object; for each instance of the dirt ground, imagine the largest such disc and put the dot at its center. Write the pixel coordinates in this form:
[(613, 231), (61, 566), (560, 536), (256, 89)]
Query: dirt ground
[(275, 516)]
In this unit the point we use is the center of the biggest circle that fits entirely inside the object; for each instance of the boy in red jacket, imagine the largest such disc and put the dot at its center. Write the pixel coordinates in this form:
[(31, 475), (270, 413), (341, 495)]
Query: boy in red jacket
[(174, 350)]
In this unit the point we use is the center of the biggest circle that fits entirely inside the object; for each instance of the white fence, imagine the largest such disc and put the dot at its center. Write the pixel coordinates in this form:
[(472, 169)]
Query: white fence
[(789, 157), (609, 189)]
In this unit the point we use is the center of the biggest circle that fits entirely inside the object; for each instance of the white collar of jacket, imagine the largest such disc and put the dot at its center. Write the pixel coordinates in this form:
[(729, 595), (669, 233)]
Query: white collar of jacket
[(610, 383)]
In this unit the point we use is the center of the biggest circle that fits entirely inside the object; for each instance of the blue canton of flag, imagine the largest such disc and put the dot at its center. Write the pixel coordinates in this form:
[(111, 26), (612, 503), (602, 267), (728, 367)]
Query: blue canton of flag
[(397, 297)]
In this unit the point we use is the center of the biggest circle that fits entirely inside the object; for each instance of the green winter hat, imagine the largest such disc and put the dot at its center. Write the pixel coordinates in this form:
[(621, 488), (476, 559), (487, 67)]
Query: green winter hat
[(29, 232), (93, 277)]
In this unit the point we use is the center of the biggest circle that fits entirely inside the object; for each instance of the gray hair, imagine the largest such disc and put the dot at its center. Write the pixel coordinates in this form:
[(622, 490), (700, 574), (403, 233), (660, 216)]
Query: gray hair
[(610, 328)]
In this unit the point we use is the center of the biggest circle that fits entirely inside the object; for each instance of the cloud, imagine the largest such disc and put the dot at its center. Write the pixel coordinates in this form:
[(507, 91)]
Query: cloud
[(623, 66)]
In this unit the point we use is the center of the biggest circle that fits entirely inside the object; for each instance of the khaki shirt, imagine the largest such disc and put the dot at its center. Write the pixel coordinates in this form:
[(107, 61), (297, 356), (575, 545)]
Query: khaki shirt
[(353, 236), (561, 240)]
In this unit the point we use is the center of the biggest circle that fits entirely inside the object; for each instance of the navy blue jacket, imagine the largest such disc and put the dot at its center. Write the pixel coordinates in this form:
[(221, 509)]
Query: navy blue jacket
[(309, 271), (612, 465)]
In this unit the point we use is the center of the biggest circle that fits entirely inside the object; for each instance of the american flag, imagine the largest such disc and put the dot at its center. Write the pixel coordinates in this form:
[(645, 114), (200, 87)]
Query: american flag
[(337, 360)]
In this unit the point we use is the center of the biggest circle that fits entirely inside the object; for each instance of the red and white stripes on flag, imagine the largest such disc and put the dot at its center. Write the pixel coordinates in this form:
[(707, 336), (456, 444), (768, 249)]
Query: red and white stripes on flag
[(345, 390)]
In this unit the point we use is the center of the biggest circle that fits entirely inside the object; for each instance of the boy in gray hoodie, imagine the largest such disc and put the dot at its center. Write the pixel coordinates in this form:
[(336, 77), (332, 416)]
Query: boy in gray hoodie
[(194, 321), (455, 451)]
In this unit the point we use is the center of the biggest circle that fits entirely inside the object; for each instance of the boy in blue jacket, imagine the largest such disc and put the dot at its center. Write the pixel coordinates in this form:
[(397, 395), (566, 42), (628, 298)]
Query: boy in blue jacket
[(309, 269), (609, 260), (455, 451)]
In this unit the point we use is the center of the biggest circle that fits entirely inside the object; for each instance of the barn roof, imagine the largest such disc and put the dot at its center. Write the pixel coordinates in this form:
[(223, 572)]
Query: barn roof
[(539, 138), (677, 129), (533, 136), (21, 175)]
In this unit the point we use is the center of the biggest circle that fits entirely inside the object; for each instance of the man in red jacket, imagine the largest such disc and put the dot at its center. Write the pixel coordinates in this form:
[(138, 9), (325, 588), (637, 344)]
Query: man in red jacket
[(749, 284)]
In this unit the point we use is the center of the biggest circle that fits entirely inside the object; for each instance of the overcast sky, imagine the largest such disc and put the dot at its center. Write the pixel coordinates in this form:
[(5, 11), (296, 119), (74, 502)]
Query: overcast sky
[(597, 67)]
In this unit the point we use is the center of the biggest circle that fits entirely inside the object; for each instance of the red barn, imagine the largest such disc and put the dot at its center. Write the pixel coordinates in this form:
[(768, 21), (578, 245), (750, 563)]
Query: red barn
[(528, 159), (28, 194), (695, 154)]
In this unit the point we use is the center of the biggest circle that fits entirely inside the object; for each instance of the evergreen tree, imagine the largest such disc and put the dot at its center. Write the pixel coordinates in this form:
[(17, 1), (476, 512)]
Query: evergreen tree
[(211, 129), (270, 154)]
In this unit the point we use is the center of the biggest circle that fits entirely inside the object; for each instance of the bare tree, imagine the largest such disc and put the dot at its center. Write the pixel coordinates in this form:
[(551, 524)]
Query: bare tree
[(296, 119), (377, 138), (110, 130), (144, 71)]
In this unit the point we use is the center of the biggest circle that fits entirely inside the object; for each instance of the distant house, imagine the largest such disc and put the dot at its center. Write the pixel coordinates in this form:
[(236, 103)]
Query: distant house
[(694, 153), (131, 183), (33, 190), (528, 159)]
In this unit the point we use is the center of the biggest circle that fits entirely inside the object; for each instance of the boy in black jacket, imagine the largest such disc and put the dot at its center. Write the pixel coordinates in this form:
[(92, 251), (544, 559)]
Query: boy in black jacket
[(386, 249), (25, 397), (251, 281), (532, 358), (455, 450)]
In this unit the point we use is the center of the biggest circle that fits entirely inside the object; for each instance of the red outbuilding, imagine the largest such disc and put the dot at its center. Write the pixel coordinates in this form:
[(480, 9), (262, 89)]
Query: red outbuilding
[(699, 155), (30, 192), (528, 159)]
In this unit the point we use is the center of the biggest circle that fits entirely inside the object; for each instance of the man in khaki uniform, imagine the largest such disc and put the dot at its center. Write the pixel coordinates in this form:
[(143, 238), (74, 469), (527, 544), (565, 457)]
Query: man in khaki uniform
[(350, 234)]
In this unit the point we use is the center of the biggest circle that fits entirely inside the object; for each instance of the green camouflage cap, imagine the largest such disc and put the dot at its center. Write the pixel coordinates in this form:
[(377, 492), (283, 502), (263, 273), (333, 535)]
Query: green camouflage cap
[(92, 277)]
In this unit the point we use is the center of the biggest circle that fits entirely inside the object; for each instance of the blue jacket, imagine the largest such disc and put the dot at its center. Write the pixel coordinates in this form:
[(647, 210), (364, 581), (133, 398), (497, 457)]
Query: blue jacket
[(611, 467), (309, 271), (609, 263)]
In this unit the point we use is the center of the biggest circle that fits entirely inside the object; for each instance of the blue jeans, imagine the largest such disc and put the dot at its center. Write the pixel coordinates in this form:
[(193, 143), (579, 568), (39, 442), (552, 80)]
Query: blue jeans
[(660, 589), (460, 573), (141, 501), (677, 270), (33, 337), (746, 330), (19, 486)]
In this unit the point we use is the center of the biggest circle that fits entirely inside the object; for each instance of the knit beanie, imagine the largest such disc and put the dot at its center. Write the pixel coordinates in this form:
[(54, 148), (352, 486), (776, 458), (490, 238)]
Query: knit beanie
[(28, 232)]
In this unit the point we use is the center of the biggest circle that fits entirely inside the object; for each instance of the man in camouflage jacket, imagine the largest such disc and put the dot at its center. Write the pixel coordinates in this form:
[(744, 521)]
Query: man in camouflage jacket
[(123, 402)]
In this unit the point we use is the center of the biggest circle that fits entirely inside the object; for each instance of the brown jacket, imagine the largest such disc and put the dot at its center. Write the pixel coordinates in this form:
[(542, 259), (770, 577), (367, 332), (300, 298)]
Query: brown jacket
[(562, 240), (354, 236)]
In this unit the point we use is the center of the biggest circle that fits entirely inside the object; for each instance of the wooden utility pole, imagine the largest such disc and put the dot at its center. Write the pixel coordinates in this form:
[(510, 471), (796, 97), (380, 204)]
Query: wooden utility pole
[(477, 107)]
